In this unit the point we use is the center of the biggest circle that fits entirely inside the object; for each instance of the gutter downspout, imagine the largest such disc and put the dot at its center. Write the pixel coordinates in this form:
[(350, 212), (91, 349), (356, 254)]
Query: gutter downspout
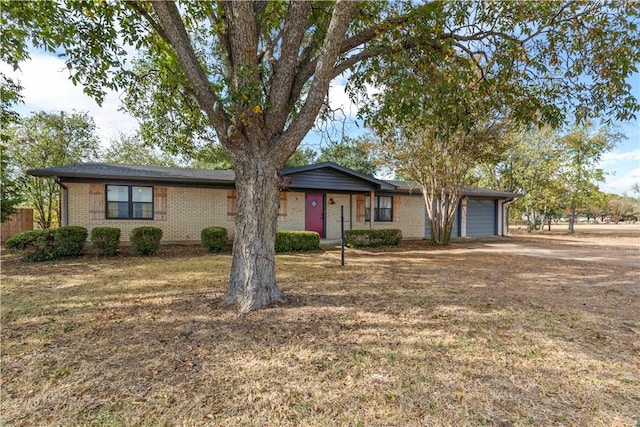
[(64, 207), (505, 217)]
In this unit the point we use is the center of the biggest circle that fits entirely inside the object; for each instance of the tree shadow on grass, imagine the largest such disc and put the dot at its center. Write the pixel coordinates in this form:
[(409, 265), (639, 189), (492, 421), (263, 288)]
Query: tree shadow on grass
[(423, 339)]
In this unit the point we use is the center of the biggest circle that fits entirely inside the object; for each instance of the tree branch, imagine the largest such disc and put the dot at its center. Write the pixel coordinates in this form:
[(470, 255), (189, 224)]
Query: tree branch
[(173, 26), (325, 64), (307, 65), (215, 21), (285, 68), (242, 33), (147, 16)]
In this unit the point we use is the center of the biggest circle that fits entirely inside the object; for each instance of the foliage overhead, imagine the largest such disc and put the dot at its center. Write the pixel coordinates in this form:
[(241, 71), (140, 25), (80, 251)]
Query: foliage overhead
[(540, 62), (543, 59)]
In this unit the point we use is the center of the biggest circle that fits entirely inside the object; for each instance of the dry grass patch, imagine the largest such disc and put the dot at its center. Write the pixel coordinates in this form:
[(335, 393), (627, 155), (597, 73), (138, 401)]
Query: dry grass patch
[(402, 338)]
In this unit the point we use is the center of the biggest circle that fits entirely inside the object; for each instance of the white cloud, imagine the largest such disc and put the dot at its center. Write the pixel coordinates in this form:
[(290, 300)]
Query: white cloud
[(613, 157), (46, 86), (621, 182), (339, 99)]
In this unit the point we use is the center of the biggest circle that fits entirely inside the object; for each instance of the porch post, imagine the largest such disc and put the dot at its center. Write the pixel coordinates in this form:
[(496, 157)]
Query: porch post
[(372, 209), (463, 217), (500, 219), (350, 211)]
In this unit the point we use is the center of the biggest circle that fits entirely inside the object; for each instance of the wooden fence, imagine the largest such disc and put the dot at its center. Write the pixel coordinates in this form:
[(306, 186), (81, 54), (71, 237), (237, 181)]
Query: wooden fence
[(21, 220)]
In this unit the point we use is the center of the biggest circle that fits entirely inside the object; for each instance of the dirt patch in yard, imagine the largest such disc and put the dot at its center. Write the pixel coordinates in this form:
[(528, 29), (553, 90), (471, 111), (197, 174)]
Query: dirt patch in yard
[(404, 337)]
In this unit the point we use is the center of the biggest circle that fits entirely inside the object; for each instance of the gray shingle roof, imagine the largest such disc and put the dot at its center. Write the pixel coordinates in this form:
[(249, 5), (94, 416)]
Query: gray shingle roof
[(138, 173), (221, 177), (412, 187)]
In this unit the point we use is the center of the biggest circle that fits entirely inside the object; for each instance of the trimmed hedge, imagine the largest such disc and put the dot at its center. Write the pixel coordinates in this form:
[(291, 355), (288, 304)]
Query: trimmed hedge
[(372, 238), (69, 241), (145, 240), (39, 245), (215, 239), (297, 241), (106, 240)]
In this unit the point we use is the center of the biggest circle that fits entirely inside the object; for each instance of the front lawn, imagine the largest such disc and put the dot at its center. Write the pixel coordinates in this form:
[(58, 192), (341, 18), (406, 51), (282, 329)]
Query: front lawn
[(396, 338)]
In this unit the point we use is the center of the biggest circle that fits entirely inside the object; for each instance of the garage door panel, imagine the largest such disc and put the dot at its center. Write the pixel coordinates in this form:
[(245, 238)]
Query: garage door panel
[(481, 217)]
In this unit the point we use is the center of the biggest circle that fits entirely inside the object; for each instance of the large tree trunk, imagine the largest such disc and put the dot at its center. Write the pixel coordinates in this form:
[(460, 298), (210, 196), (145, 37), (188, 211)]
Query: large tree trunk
[(258, 133), (252, 281)]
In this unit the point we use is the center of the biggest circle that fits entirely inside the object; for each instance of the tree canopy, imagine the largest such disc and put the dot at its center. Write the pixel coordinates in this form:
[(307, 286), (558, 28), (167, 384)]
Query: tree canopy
[(48, 139), (10, 197), (132, 150), (582, 149), (556, 172), (351, 153)]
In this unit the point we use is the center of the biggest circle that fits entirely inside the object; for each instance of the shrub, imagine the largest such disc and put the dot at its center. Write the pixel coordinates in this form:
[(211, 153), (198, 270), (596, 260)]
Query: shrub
[(145, 240), (22, 241), (372, 238), (38, 244), (214, 238), (69, 241), (297, 241), (106, 240)]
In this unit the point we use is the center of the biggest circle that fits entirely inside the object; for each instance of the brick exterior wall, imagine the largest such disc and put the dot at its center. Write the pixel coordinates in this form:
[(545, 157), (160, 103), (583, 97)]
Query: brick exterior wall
[(294, 219), (408, 217), (408, 213), (189, 210), (332, 222)]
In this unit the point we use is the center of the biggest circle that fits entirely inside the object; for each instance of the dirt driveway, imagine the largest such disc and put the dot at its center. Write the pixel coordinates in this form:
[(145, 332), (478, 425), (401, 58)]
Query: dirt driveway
[(624, 257), (590, 243)]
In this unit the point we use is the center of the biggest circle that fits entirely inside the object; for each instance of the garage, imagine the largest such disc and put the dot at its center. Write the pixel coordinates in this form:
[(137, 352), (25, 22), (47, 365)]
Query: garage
[(482, 217)]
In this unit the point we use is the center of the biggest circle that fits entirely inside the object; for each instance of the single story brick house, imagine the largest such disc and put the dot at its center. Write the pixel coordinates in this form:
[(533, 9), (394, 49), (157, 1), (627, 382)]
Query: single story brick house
[(183, 201)]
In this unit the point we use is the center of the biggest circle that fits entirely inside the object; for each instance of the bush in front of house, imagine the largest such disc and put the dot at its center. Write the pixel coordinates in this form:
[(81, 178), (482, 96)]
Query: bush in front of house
[(214, 238), (372, 238), (38, 245), (22, 241), (69, 241), (106, 240), (145, 240), (297, 241)]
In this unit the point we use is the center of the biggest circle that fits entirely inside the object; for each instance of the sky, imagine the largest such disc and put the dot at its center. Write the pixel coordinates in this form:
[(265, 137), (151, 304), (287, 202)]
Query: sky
[(46, 86)]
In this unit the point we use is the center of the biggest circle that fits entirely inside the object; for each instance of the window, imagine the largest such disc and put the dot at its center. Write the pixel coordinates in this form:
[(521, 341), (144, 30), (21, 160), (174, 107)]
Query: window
[(383, 209), (129, 202)]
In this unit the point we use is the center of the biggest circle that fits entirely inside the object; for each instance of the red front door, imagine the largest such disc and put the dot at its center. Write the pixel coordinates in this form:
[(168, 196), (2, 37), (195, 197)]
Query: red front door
[(314, 213)]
